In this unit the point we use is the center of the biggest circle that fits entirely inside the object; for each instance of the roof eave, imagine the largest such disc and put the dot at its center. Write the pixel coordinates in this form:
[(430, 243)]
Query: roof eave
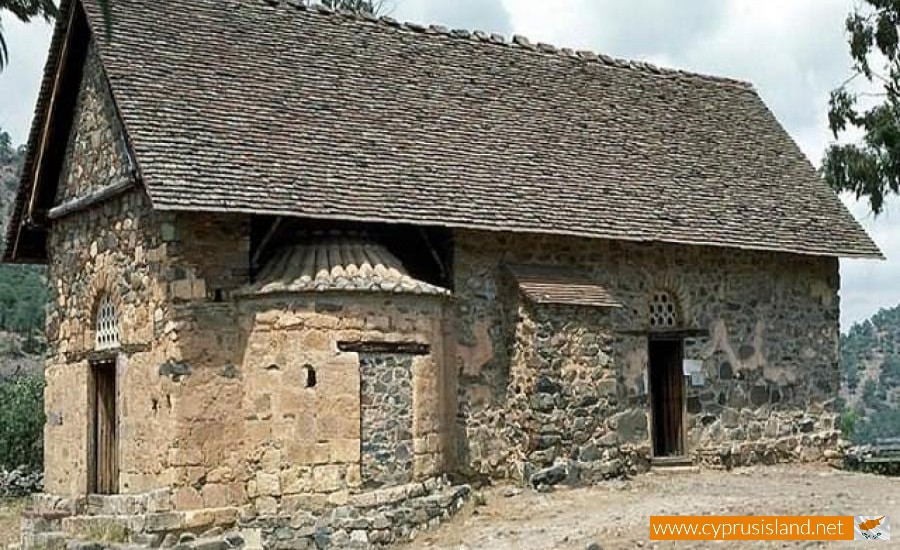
[(24, 221), (863, 252)]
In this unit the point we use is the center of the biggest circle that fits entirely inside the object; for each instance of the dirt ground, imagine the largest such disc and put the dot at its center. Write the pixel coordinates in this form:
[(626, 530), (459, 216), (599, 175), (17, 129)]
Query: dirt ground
[(10, 518), (616, 515)]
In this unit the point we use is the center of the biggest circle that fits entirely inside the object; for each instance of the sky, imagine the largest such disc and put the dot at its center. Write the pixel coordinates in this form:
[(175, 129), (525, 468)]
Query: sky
[(793, 51)]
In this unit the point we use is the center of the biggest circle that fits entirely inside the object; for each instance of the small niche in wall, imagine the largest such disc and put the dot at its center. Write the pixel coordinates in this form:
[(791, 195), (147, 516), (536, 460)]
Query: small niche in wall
[(309, 376)]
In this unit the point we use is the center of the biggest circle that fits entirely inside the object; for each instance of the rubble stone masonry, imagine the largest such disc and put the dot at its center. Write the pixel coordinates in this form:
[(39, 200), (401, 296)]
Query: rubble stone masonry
[(543, 383), (268, 414)]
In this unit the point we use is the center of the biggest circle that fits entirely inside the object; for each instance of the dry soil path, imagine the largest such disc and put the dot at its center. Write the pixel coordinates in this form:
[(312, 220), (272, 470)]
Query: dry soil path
[(616, 515)]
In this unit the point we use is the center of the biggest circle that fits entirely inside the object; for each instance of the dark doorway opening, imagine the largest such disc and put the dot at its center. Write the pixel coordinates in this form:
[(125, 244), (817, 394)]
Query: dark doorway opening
[(103, 460), (667, 396)]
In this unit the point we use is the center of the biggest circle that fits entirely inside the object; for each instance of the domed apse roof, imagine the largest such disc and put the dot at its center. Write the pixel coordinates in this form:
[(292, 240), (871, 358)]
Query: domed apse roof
[(338, 263)]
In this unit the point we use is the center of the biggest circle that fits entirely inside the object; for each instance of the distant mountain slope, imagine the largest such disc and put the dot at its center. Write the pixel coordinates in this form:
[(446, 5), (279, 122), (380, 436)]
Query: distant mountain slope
[(870, 366), (23, 290), (870, 358), (10, 164)]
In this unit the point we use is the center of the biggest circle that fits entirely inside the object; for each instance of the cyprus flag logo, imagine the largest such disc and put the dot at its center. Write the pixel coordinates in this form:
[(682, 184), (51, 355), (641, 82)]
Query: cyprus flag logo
[(871, 528)]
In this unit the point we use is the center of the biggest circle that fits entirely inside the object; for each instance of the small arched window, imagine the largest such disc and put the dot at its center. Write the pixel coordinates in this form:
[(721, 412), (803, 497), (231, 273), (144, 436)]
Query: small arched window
[(663, 310), (106, 324)]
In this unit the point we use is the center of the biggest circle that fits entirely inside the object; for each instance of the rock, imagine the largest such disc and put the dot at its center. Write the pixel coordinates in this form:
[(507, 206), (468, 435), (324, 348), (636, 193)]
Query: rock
[(612, 468), (632, 425), (234, 540), (546, 385), (593, 546), (730, 418), (806, 425), (322, 537), (549, 476), (210, 544), (590, 453), (214, 532)]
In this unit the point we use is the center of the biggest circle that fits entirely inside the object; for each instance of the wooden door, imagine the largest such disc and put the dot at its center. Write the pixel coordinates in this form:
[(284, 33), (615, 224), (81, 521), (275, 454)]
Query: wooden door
[(103, 462), (667, 396)]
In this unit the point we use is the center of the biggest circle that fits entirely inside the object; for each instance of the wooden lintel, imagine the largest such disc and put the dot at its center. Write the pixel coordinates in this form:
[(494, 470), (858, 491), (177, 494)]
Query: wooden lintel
[(412, 348), (105, 356), (668, 334), (81, 203)]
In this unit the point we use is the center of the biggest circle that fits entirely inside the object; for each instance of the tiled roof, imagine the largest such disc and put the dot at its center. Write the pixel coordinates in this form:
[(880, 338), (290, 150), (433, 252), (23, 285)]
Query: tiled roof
[(337, 263), (550, 285), (266, 106)]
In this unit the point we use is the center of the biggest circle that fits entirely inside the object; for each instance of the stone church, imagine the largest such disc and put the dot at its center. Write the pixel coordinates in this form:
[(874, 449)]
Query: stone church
[(312, 271)]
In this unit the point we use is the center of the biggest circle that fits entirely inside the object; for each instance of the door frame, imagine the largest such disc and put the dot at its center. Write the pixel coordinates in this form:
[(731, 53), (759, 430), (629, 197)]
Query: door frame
[(651, 339), (110, 364)]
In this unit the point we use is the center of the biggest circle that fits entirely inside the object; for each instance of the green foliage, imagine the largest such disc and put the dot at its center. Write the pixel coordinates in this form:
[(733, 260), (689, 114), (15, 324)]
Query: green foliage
[(23, 293), (876, 343), (22, 422), (870, 168), (875, 339), (879, 425), (23, 290), (847, 422)]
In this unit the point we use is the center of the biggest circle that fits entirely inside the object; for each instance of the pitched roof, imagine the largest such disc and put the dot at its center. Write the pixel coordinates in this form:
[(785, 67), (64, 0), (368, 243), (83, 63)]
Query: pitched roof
[(337, 263), (266, 106), (550, 285)]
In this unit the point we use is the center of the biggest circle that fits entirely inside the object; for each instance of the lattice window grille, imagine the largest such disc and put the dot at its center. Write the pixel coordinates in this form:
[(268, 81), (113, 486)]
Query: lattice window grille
[(663, 311), (107, 325)]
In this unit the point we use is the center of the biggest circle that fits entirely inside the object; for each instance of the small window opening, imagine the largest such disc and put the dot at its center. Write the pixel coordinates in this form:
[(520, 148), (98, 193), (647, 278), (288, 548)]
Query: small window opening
[(663, 311), (106, 325), (310, 376)]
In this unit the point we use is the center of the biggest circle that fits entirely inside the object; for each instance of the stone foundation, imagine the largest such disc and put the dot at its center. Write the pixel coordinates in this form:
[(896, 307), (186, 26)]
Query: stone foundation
[(149, 520)]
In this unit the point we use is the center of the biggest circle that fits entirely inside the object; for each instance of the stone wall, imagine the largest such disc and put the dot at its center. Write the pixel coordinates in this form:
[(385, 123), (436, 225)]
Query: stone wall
[(539, 384), (266, 404), (256, 430), (231, 400), (96, 154), (386, 418), (112, 250)]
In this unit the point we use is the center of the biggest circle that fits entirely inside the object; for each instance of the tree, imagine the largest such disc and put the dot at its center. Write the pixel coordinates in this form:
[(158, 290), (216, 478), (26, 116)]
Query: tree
[(871, 167)]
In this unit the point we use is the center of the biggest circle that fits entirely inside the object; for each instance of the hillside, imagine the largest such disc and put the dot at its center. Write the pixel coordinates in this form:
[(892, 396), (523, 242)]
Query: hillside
[(870, 365), (22, 288)]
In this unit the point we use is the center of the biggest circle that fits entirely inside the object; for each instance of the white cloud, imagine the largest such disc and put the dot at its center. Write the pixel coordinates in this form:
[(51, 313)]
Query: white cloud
[(19, 82), (793, 51), (486, 15)]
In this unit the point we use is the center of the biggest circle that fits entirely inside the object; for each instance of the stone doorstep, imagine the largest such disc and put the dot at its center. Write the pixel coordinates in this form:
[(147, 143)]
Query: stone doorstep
[(192, 519), (389, 495), (79, 527), (51, 540), (50, 515), (128, 505)]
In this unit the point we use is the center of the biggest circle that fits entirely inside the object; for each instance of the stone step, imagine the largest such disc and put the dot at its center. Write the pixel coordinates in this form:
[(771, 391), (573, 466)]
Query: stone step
[(673, 465), (50, 540), (114, 529), (664, 461), (675, 469)]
